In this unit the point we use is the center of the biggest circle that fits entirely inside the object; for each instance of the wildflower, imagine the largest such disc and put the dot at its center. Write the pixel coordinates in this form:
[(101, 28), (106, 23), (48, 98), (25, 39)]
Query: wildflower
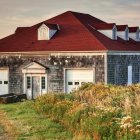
[(137, 131), (132, 130), (126, 119), (125, 126), (137, 126)]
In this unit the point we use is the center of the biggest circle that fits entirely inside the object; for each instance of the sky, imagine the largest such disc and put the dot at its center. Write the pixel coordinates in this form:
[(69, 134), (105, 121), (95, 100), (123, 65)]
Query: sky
[(23, 13)]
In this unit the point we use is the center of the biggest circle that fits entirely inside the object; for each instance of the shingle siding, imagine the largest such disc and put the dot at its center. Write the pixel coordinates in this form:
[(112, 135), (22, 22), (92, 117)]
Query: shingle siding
[(118, 68), (55, 73)]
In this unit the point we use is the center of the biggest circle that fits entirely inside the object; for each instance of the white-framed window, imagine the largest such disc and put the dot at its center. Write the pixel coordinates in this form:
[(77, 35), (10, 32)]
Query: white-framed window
[(130, 81), (43, 32)]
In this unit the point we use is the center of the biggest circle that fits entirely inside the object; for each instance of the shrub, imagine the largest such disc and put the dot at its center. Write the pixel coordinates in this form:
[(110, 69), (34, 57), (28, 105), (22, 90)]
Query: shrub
[(95, 111)]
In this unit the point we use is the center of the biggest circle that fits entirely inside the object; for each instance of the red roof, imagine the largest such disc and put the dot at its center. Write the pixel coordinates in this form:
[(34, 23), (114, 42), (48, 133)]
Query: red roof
[(121, 27), (133, 29), (75, 34), (103, 26)]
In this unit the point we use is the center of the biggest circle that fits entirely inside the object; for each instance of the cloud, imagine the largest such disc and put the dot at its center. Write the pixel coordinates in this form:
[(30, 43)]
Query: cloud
[(15, 13)]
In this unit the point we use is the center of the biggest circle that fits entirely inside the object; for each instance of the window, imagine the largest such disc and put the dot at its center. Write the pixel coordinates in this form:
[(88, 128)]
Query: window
[(28, 82), (137, 36), (6, 82), (0, 82), (43, 83), (43, 33), (114, 34), (70, 83), (76, 83), (127, 34), (129, 75)]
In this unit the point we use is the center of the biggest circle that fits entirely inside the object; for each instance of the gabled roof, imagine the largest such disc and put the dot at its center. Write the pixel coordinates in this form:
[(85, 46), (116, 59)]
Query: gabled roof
[(75, 34), (35, 65), (35, 68), (51, 26), (133, 29), (121, 27)]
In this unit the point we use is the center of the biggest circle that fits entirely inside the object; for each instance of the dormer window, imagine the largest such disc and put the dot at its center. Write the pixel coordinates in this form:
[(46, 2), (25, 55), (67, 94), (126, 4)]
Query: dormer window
[(134, 33), (123, 32), (114, 33), (108, 29), (43, 32), (47, 31)]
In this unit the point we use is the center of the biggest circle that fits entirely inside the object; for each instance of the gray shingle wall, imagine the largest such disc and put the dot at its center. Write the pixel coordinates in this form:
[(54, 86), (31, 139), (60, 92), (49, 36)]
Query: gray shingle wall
[(56, 65), (118, 68)]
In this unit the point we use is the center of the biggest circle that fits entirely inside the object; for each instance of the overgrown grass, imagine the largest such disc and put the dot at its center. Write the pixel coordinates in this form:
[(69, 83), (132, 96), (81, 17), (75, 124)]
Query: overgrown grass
[(99, 111), (93, 112), (1, 130)]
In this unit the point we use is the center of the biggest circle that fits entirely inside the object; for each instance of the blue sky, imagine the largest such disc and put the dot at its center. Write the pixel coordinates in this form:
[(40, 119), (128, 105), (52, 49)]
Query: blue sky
[(17, 13)]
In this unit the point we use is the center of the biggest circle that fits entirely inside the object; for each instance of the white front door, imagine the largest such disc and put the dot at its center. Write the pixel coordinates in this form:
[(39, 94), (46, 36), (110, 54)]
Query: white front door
[(4, 81), (74, 78), (36, 86), (35, 80)]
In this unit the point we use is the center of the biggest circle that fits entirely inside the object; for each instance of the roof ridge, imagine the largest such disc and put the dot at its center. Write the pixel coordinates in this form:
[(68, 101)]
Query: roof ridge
[(89, 30)]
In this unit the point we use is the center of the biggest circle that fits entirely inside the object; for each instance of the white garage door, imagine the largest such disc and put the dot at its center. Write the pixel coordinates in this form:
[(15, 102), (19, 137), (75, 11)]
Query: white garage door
[(3, 81), (76, 77)]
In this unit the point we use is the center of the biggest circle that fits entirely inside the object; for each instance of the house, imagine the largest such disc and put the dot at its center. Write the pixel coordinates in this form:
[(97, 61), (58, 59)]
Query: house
[(62, 53)]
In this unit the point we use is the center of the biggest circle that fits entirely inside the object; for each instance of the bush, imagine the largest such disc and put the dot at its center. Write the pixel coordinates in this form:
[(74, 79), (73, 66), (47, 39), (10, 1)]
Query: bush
[(95, 111)]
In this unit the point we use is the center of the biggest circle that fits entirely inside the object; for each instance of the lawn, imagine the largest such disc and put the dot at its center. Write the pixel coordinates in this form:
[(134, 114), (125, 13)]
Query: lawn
[(31, 125)]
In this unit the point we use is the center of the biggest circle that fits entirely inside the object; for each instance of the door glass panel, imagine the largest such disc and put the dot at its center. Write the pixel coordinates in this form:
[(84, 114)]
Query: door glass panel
[(28, 82), (43, 83)]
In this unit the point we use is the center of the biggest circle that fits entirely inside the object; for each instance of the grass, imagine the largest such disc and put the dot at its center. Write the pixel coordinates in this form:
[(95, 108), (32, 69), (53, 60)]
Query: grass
[(31, 125), (93, 112), (1, 130)]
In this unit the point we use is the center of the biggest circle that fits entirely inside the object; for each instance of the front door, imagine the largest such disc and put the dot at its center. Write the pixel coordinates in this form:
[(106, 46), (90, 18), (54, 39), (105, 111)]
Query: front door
[(35, 86)]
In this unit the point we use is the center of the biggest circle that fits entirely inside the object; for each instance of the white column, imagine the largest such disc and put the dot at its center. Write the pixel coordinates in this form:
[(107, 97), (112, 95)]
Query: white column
[(24, 83)]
